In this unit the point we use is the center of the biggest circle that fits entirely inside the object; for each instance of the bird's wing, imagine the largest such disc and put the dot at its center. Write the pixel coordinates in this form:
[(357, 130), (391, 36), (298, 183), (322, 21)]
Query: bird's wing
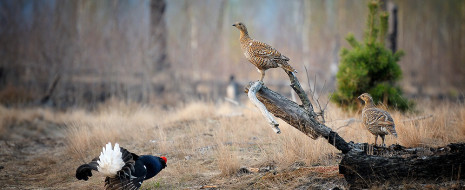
[(129, 159), (263, 50), (385, 123), (125, 178), (84, 171), (378, 117)]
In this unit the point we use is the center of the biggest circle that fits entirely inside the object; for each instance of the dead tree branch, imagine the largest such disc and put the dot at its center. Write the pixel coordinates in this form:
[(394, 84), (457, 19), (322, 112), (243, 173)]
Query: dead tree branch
[(252, 91), (302, 117), (321, 113), (295, 84), (347, 122)]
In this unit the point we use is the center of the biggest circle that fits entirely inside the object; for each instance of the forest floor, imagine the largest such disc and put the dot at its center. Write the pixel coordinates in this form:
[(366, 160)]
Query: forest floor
[(208, 147)]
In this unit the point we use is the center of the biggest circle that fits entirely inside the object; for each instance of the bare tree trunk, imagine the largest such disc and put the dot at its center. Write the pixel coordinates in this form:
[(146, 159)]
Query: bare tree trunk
[(393, 27), (47, 97), (158, 35)]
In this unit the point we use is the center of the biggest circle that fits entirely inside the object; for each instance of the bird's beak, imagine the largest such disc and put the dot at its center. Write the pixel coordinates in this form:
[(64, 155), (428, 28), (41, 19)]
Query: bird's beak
[(359, 97), (234, 25)]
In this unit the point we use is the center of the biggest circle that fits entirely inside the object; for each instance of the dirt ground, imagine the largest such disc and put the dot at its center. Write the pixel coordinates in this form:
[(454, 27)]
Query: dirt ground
[(33, 155)]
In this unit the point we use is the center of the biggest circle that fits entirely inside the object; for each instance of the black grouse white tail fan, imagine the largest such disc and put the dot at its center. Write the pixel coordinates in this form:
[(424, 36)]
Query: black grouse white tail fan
[(123, 169)]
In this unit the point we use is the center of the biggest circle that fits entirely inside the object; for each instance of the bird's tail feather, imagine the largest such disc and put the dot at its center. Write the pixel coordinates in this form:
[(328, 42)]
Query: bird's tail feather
[(392, 130), (287, 67), (110, 160)]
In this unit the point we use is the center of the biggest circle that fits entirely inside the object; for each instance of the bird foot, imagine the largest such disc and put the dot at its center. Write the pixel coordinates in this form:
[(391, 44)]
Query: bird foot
[(380, 145)]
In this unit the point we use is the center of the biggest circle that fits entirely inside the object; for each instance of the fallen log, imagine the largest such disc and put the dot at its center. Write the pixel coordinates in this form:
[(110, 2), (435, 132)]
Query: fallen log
[(399, 165), (363, 165), (298, 117)]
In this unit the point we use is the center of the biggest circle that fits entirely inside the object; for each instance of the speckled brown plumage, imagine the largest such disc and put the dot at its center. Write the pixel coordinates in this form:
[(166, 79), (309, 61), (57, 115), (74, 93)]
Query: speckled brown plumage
[(377, 121), (262, 55)]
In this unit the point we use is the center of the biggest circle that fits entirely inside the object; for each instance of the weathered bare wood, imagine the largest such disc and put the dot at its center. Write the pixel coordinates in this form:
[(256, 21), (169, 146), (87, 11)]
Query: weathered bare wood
[(253, 98), (298, 117), (397, 165), (295, 84)]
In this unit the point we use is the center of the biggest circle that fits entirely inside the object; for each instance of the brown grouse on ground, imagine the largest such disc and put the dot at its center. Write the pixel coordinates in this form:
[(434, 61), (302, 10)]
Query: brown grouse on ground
[(377, 121), (262, 55)]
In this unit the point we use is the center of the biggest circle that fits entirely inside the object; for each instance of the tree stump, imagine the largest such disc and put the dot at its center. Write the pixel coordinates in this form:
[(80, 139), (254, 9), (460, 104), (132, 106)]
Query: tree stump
[(363, 165)]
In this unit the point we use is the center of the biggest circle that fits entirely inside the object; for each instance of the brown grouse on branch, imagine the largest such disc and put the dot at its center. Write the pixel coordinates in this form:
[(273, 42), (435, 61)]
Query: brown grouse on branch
[(377, 121), (262, 55)]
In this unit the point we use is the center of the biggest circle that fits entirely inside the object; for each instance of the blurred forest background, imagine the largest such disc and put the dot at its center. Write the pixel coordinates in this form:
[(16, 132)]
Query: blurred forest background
[(78, 53)]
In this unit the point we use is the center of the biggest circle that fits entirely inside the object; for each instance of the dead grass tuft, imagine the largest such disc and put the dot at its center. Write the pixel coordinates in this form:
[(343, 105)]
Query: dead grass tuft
[(293, 146), (86, 131), (192, 111), (440, 126), (227, 160)]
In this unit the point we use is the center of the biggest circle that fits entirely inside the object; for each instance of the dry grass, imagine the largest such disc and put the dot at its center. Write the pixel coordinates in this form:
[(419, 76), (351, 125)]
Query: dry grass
[(86, 130), (205, 141), (199, 138), (12, 117), (446, 125), (227, 160), (432, 125)]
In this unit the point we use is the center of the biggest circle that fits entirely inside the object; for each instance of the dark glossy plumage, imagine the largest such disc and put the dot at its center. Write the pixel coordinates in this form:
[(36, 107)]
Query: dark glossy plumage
[(136, 169)]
